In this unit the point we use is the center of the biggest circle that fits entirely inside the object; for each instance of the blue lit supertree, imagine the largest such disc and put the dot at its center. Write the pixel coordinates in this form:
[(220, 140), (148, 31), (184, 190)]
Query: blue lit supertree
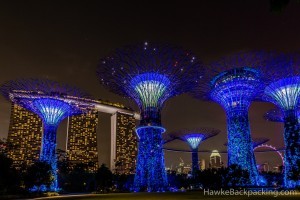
[(283, 89), (149, 74), (52, 102), (235, 82), (194, 137)]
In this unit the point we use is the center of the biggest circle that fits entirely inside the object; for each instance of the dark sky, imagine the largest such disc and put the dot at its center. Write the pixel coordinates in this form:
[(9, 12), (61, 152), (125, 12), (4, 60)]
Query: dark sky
[(63, 40)]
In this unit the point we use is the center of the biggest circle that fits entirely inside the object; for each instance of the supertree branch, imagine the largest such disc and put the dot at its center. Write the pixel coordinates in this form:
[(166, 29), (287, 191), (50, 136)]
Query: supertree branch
[(193, 137), (276, 115), (283, 89), (150, 74), (52, 102)]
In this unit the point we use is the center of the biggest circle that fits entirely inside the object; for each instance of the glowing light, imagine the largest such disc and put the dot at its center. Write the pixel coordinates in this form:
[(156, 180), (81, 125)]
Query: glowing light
[(50, 110), (151, 88), (284, 93), (194, 141)]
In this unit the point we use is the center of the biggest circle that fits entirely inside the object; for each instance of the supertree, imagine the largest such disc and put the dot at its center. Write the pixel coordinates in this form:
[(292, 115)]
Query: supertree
[(283, 90), (52, 102), (150, 74), (235, 84), (194, 137)]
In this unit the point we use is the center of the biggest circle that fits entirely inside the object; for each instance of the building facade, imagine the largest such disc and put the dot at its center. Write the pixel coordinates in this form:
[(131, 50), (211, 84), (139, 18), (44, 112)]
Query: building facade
[(123, 143), (215, 160), (24, 136), (82, 140)]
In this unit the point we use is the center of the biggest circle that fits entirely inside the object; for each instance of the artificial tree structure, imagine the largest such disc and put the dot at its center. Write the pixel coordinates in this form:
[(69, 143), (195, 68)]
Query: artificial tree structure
[(149, 74), (194, 138), (234, 83), (283, 90), (52, 102)]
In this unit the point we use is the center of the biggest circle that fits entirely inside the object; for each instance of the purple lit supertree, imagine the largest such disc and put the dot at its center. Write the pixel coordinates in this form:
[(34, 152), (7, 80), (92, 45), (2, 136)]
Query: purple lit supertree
[(52, 102), (194, 137), (150, 74), (283, 89), (234, 83)]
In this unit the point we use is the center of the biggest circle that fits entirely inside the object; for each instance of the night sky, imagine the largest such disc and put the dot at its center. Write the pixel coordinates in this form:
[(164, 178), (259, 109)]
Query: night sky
[(64, 40)]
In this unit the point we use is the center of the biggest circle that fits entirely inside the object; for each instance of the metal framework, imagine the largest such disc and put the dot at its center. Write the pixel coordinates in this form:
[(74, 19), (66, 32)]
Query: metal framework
[(150, 74), (52, 102), (235, 81), (255, 142), (194, 137), (283, 89)]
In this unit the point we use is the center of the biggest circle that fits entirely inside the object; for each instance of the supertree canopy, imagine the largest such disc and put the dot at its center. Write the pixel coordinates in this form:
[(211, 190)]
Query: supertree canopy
[(235, 84), (283, 90), (150, 74), (194, 138), (52, 102)]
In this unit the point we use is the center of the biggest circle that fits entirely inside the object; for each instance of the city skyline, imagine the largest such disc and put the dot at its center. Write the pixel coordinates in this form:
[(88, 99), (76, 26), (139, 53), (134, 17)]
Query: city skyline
[(65, 54)]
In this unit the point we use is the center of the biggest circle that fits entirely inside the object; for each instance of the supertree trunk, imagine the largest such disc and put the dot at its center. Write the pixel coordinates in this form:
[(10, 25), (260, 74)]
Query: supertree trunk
[(240, 149), (48, 151), (150, 171), (195, 165), (292, 144)]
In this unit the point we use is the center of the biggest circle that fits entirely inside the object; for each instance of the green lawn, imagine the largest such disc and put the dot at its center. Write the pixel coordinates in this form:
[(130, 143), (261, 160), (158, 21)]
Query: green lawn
[(170, 196)]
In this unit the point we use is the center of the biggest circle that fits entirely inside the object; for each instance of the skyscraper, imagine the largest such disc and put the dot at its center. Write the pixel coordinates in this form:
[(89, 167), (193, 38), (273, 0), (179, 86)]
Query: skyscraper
[(123, 143), (25, 132), (215, 160), (82, 139)]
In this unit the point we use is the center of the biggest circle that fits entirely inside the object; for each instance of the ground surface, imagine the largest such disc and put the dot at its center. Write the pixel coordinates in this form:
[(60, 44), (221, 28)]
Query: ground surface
[(172, 196)]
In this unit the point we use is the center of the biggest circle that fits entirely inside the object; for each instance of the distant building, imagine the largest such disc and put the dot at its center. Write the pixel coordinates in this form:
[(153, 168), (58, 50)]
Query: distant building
[(264, 167), (202, 164), (82, 140), (215, 160), (24, 136), (123, 143)]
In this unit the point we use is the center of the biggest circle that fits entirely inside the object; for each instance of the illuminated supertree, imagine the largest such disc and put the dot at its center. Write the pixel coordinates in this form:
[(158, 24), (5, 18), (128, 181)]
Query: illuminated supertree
[(235, 84), (283, 90), (149, 74), (52, 102), (194, 138)]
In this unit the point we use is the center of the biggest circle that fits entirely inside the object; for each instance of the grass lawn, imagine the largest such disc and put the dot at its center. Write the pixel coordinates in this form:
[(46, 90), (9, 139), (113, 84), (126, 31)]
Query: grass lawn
[(171, 196)]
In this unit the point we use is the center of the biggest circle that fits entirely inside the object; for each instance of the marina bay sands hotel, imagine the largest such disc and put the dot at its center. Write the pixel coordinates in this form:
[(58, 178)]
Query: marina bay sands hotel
[(85, 141)]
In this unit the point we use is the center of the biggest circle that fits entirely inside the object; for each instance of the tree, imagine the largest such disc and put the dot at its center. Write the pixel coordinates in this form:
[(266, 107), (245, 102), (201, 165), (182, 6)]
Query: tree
[(9, 176), (38, 176), (79, 178), (104, 178)]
